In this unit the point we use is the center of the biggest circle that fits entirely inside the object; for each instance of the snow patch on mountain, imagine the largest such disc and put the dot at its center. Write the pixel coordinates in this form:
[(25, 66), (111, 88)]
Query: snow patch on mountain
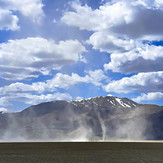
[(122, 103)]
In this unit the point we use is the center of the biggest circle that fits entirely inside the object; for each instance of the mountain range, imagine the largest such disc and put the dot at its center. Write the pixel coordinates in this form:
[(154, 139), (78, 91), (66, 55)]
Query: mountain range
[(104, 118)]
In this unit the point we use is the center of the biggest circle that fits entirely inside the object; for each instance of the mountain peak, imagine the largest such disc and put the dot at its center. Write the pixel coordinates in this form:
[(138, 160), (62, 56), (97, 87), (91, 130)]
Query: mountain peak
[(97, 118), (109, 100)]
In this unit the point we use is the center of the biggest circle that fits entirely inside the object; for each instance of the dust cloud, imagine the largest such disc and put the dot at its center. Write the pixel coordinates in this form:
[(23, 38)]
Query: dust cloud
[(70, 126)]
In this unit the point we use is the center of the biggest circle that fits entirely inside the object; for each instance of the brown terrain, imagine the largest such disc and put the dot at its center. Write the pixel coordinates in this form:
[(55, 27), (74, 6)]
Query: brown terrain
[(90, 152), (101, 118)]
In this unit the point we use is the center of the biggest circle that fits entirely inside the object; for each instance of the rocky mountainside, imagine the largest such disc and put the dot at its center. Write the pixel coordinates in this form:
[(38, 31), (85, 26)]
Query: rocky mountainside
[(100, 118)]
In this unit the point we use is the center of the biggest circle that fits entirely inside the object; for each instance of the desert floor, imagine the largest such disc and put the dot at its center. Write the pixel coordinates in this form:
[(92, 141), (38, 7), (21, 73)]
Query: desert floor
[(90, 152)]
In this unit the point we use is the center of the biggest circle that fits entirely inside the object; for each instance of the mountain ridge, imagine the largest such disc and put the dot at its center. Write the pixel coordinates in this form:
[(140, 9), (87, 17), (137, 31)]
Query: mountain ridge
[(98, 118)]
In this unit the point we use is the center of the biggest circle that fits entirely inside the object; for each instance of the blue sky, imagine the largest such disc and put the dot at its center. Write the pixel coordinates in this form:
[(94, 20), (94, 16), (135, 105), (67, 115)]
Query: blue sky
[(67, 50)]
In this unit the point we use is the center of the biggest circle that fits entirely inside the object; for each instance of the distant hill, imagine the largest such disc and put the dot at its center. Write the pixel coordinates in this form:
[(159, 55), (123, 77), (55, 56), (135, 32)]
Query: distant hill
[(100, 118)]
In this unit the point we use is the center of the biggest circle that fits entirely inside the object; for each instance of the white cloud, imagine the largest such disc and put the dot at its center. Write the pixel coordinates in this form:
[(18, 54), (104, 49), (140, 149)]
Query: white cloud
[(105, 42), (159, 3), (4, 102), (30, 57), (98, 19), (120, 28), (59, 81), (131, 19), (33, 99), (8, 21), (65, 81), (29, 8), (17, 87), (79, 16), (142, 83), (36, 99), (3, 110), (144, 58), (154, 4), (141, 26), (54, 21), (149, 96), (37, 92)]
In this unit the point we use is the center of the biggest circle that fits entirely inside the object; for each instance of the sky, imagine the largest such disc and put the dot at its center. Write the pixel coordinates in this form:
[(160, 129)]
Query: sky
[(73, 49)]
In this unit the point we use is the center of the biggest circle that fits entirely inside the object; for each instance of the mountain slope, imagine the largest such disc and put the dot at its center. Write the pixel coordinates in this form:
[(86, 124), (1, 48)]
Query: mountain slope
[(99, 118)]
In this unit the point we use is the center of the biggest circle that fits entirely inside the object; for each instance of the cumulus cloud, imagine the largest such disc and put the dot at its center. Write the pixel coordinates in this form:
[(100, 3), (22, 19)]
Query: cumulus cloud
[(33, 99), (37, 92), (134, 20), (36, 99), (29, 8), (79, 16), (105, 42), (149, 96), (8, 21), (145, 58), (58, 81), (142, 83), (64, 81), (33, 56), (4, 102), (120, 28), (140, 25), (38, 87), (98, 19), (54, 21), (3, 110)]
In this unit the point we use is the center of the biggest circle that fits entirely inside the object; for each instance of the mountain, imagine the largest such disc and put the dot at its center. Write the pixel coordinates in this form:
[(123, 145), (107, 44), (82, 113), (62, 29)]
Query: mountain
[(100, 118)]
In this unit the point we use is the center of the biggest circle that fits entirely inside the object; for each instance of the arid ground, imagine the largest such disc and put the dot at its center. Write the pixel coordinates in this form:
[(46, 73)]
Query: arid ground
[(90, 152)]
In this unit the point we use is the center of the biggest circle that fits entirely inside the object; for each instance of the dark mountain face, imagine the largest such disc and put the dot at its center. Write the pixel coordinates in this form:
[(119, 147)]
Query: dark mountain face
[(100, 118)]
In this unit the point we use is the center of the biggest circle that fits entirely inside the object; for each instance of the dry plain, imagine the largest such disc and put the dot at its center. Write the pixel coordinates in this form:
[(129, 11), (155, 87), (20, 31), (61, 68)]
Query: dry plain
[(82, 152)]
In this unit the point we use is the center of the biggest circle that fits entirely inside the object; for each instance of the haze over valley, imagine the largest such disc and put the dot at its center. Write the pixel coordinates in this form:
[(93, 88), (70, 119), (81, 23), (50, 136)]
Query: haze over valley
[(103, 118)]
